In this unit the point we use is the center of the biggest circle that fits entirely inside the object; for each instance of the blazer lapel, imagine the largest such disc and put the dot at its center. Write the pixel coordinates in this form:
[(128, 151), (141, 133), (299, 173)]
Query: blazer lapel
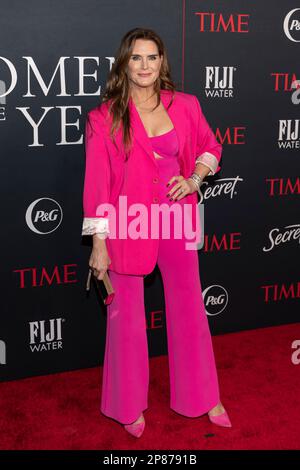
[(175, 114)]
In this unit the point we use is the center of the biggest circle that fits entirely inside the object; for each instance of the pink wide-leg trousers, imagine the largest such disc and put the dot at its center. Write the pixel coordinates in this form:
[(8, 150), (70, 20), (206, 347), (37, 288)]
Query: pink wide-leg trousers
[(194, 388)]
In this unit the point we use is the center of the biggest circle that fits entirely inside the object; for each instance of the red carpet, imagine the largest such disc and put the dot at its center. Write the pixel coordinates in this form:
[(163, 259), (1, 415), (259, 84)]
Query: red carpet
[(259, 387)]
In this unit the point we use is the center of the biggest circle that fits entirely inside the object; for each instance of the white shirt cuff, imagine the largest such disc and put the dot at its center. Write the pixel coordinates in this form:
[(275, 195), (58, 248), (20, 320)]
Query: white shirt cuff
[(98, 225), (209, 160)]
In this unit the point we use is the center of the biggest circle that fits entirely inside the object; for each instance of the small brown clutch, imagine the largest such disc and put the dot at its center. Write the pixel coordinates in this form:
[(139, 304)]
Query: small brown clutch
[(103, 286)]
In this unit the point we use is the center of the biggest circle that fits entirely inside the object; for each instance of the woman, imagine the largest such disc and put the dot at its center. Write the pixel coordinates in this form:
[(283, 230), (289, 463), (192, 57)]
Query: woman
[(148, 144)]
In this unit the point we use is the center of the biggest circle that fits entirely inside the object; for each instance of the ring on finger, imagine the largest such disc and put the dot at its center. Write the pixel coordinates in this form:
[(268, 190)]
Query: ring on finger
[(180, 192)]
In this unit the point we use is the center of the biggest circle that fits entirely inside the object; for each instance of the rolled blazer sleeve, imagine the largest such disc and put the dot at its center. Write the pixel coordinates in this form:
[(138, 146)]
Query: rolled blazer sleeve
[(208, 149), (96, 189)]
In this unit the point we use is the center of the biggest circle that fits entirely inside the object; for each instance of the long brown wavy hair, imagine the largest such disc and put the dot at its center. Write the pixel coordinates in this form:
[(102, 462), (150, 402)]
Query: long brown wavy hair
[(117, 86)]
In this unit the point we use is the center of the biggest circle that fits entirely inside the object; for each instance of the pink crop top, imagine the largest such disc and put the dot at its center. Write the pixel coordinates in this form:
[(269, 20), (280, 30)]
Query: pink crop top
[(165, 144)]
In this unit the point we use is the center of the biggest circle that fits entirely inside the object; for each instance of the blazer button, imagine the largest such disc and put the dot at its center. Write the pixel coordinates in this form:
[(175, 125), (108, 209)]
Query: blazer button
[(155, 180), (155, 199)]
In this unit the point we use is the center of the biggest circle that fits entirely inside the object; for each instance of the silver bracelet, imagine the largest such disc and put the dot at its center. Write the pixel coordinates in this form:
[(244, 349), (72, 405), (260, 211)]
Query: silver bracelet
[(198, 180)]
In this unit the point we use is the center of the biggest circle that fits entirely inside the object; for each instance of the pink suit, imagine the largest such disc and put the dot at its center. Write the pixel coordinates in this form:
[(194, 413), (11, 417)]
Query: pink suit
[(194, 386), (107, 176)]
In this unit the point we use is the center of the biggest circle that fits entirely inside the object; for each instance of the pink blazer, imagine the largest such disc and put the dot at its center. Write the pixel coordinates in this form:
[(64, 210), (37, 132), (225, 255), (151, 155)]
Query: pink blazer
[(108, 176)]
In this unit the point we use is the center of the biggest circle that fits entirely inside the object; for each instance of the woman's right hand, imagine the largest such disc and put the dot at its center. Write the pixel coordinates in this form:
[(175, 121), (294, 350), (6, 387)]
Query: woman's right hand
[(99, 259)]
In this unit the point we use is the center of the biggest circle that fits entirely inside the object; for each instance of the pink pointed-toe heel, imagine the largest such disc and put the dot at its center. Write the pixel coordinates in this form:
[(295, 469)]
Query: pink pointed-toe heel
[(136, 429), (221, 420)]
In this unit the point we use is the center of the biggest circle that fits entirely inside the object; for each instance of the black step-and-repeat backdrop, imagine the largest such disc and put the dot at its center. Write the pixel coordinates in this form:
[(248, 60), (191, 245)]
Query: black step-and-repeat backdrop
[(242, 61)]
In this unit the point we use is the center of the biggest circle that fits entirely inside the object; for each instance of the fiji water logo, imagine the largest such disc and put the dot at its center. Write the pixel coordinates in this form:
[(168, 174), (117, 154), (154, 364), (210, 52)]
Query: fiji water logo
[(46, 335), (289, 134), (219, 81)]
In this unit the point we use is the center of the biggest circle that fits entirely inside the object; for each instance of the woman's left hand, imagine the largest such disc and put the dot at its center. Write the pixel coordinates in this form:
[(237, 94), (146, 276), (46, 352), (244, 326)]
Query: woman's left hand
[(182, 188)]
